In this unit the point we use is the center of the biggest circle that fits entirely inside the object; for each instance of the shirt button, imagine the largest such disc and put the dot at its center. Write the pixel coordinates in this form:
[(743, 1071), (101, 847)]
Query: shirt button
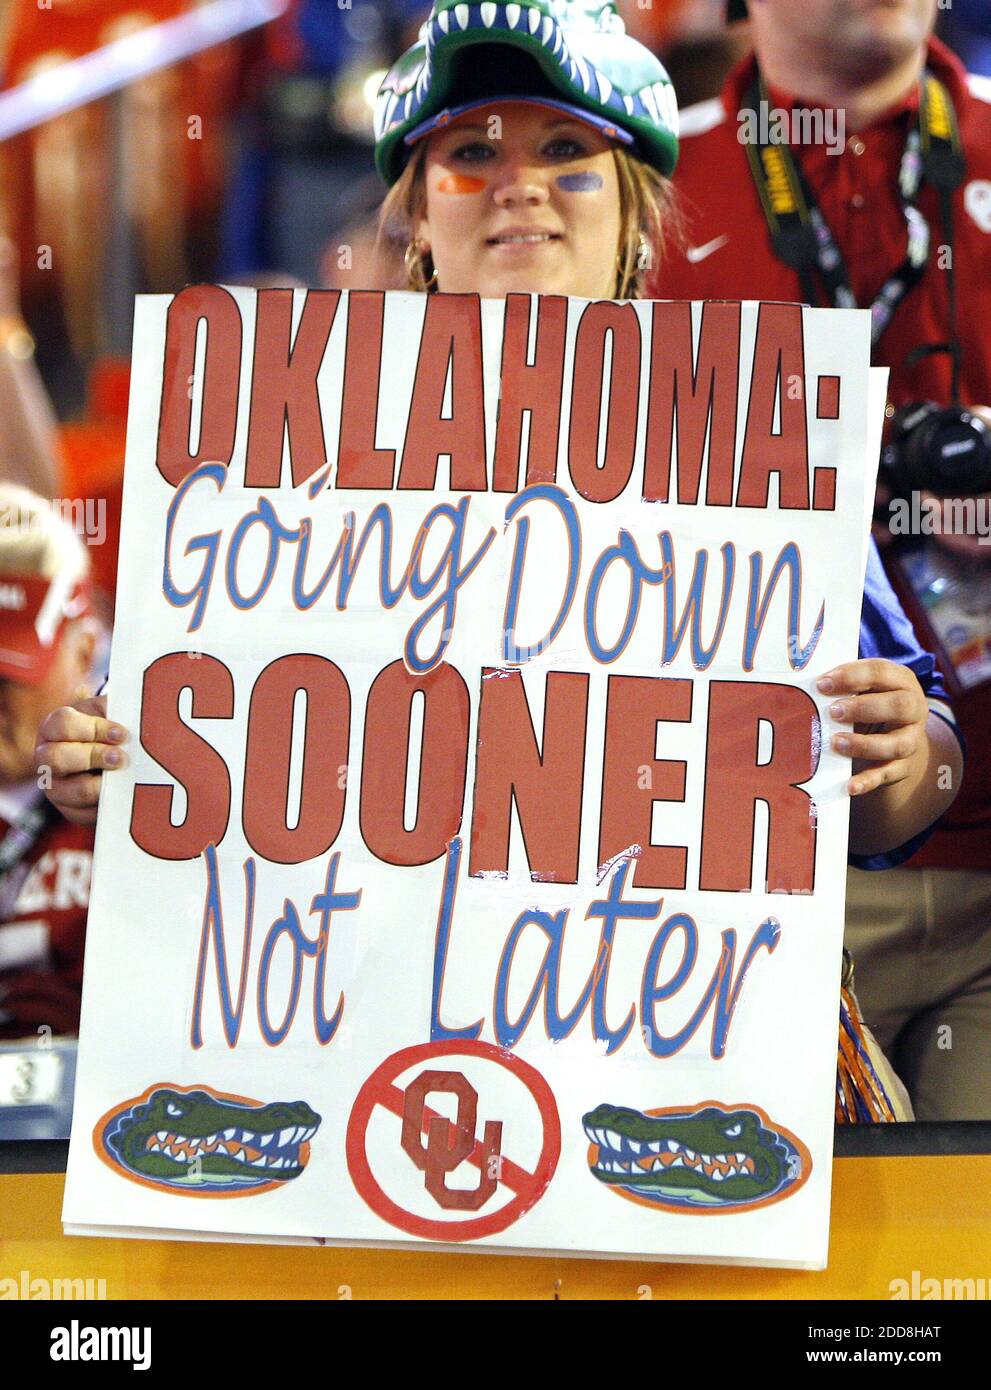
[(857, 145), (857, 201)]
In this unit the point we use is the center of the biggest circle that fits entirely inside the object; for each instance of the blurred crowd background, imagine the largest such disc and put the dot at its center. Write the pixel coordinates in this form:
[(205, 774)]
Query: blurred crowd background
[(249, 161), (148, 144)]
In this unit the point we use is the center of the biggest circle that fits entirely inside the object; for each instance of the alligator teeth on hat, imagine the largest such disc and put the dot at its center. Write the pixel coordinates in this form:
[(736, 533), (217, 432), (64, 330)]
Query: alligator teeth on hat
[(653, 101)]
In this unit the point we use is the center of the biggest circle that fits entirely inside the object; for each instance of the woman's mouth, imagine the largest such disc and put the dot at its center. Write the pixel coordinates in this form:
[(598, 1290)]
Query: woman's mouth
[(516, 239)]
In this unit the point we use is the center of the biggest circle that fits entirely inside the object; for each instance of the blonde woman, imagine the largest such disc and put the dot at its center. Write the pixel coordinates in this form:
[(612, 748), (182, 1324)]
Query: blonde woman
[(528, 147), (505, 80)]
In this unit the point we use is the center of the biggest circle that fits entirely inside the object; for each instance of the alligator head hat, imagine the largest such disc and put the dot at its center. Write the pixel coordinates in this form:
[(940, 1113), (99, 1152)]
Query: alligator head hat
[(572, 54)]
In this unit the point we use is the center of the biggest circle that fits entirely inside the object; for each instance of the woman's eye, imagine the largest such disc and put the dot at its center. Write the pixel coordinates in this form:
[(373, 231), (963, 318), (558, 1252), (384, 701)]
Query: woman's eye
[(566, 148), (473, 153)]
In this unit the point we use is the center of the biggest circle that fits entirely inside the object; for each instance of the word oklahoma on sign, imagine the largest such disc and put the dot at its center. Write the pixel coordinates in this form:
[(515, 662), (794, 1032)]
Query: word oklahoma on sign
[(478, 873)]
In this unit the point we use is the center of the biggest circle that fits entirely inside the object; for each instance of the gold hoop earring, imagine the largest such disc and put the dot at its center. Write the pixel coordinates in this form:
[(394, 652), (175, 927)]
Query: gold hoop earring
[(413, 261), (628, 270)]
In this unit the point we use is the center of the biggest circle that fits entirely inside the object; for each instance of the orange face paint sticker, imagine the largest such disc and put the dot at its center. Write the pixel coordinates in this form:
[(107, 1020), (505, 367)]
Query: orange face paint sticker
[(460, 183)]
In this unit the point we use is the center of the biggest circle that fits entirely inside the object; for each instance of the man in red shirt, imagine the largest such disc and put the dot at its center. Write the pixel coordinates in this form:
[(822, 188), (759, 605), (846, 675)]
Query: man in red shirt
[(47, 641), (851, 73)]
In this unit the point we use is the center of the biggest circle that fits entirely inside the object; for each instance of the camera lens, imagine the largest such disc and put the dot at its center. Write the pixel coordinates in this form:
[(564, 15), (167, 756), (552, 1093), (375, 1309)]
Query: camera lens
[(949, 453)]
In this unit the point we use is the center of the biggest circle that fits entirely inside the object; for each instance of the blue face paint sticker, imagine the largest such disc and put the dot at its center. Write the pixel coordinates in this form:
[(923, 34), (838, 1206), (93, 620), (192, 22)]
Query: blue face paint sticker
[(585, 182)]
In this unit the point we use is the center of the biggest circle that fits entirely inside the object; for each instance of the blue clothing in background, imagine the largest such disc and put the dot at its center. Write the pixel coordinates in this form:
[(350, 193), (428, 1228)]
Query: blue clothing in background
[(332, 35), (967, 29), (885, 631), (285, 201)]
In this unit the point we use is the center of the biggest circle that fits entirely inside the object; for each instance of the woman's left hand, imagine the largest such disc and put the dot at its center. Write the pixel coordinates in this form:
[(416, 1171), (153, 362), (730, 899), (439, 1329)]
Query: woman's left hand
[(887, 707)]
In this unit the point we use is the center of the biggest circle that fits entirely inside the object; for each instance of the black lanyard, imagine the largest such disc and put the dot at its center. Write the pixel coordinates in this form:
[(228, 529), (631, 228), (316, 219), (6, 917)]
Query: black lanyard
[(802, 238)]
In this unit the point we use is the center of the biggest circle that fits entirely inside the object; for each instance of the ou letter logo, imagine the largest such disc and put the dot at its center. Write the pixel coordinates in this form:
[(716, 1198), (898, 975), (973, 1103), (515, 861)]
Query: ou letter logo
[(438, 1156), (415, 1154)]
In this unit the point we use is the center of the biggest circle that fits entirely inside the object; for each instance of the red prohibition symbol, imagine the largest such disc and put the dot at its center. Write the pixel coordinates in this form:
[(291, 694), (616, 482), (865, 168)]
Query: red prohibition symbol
[(437, 1145)]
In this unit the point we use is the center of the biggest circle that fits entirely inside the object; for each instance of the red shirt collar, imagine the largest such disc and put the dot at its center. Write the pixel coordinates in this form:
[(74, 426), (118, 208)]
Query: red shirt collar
[(940, 60)]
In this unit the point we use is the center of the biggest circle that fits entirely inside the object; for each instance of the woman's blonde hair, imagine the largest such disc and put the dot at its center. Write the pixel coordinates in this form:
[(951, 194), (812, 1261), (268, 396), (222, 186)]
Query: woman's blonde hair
[(649, 222)]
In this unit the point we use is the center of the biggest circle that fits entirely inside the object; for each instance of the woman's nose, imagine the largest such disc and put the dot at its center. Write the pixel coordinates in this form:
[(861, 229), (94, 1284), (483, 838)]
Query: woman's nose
[(521, 187)]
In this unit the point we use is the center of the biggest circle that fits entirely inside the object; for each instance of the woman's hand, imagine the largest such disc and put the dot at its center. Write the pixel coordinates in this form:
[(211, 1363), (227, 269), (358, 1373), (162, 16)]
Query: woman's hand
[(75, 744), (887, 707)]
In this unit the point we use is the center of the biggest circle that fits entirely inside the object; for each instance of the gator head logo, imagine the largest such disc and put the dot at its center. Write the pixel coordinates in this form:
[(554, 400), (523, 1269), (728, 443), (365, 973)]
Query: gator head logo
[(203, 1143), (715, 1158)]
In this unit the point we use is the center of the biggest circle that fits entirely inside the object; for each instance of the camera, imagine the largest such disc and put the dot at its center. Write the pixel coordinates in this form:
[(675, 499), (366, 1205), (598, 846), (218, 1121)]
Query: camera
[(945, 450)]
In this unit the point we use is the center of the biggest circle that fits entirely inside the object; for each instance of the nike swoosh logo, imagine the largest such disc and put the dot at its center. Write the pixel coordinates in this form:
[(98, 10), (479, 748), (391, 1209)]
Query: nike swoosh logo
[(694, 254)]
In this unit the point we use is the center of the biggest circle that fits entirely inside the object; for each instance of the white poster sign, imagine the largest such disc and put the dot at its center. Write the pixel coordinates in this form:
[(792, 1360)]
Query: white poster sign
[(477, 876)]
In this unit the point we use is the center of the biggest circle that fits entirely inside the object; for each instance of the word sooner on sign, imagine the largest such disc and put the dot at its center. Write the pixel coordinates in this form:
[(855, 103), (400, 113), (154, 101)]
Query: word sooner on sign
[(546, 783)]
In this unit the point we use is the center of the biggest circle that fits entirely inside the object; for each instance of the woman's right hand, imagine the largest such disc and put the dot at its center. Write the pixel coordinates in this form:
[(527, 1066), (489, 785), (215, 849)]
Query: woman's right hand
[(75, 744)]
